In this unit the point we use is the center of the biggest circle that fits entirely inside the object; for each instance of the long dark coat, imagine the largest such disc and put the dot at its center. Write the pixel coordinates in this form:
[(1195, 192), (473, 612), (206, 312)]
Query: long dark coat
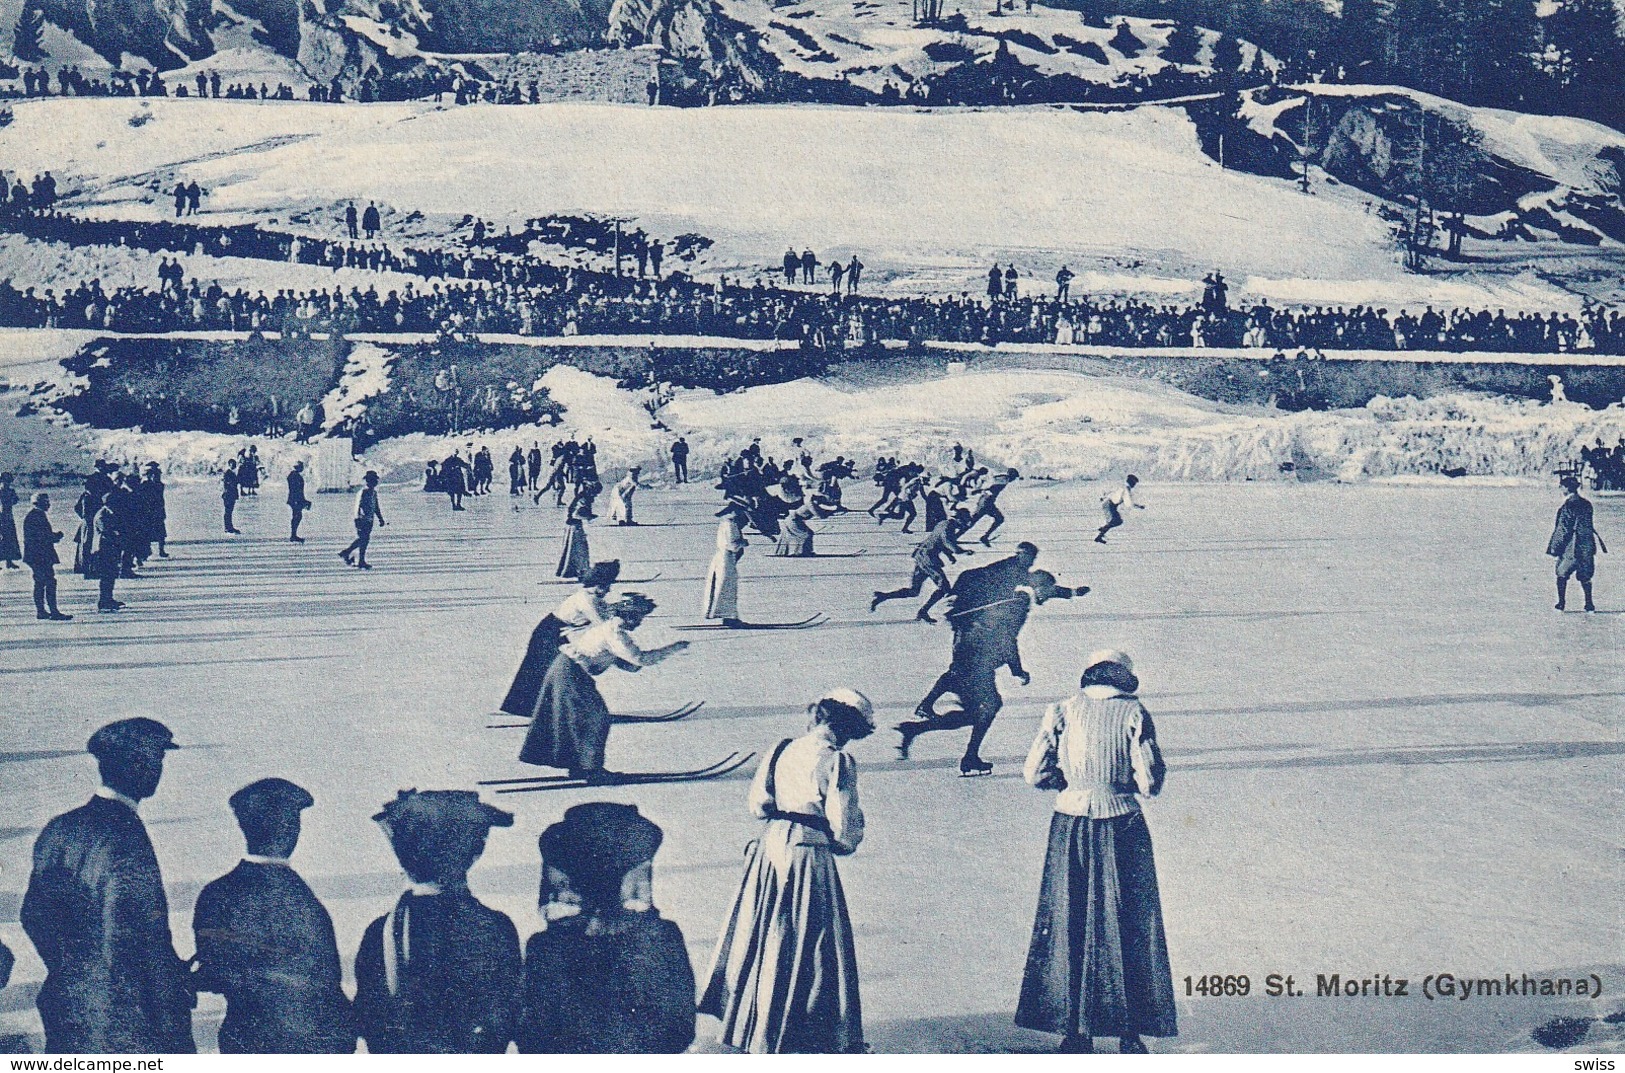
[(455, 968), (624, 988), (97, 914), (266, 943), (1574, 539)]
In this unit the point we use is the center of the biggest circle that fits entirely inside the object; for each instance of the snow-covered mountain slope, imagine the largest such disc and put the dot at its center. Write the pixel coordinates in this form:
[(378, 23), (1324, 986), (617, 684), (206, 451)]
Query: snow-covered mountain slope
[(928, 198), (843, 50), (1512, 174)]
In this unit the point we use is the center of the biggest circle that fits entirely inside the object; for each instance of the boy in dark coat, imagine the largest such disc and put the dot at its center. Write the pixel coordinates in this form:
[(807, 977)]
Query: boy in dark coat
[(439, 973), (609, 975), (265, 942), (1574, 544), (297, 503), (97, 913)]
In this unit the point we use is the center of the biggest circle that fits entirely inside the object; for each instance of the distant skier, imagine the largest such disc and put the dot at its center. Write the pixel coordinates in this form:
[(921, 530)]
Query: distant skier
[(1112, 504)]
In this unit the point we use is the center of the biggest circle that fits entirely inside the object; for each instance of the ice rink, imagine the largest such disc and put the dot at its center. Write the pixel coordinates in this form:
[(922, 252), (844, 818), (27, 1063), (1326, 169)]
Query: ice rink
[(1388, 753)]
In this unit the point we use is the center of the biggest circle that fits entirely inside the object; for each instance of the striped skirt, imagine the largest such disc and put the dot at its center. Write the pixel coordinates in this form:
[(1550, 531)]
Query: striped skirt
[(784, 979), (1098, 963)]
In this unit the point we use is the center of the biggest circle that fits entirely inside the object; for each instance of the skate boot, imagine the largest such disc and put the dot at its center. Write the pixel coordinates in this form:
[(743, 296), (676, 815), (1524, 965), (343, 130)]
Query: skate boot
[(972, 767), (875, 601)]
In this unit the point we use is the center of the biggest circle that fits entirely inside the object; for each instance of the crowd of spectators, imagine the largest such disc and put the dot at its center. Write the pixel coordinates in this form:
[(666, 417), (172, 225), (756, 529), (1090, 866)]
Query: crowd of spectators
[(495, 284)]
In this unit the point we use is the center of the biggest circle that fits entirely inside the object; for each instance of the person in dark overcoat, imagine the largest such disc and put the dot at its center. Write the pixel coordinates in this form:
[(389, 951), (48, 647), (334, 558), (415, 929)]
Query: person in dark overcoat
[(1574, 544), (439, 973), (609, 974), (156, 510), (96, 911), (266, 943), (10, 550), (230, 490), (39, 552), (297, 503)]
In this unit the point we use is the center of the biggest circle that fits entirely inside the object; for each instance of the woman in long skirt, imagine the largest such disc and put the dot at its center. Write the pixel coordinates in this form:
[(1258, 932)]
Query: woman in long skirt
[(576, 559), (722, 580), (784, 978), (796, 536), (10, 552), (584, 607), (620, 497), (572, 722), (1098, 963)]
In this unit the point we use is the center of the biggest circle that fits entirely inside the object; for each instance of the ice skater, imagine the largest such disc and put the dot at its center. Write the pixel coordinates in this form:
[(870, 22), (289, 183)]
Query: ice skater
[(1098, 961), (928, 566), (297, 503), (1112, 504), (722, 580), (39, 553), (571, 725), (987, 505), (1574, 544), (230, 491), (367, 513)]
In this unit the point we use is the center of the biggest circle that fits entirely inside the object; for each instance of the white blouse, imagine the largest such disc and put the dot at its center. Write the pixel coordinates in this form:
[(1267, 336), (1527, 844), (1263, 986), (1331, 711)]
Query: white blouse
[(584, 607), (813, 778), (598, 648)]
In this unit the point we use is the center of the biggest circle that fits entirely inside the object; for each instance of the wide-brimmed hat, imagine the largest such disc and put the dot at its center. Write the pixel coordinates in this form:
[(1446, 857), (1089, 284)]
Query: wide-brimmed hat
[(602, 573), (438, 834), (597, 843), (1571, 483), (634, 604)]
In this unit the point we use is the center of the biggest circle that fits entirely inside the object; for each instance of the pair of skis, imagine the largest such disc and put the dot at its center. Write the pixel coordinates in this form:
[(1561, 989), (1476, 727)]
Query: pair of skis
[(537, 784), (670, 717), (619, 581), (810, 622)]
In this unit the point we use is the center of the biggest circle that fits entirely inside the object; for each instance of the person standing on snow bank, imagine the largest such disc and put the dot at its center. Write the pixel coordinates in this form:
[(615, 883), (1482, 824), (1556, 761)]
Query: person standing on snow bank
[(1574, 544)]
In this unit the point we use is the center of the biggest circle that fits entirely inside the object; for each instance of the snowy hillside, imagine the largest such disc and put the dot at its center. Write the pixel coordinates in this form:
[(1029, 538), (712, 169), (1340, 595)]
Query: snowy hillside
[(1513, 175), (1127, 199), (848, 49)]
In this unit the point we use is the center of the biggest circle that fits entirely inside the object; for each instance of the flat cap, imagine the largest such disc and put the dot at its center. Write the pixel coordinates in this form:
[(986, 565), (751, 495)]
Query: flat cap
[(269, 797), (129, 735)]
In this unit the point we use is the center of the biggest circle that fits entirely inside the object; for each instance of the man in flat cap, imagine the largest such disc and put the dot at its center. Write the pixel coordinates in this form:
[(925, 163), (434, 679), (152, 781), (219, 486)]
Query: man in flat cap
[(266, 943), (613, 977), (439, 973), (97, 914)]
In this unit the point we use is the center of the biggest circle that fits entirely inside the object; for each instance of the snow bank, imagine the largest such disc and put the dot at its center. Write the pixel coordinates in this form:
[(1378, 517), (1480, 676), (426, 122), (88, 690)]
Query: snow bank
[(1062, 425), (365, 376)]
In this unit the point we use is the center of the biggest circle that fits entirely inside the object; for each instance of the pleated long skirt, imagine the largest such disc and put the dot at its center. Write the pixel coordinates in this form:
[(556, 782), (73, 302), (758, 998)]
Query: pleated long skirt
[(572, 722), (722, 586), (575, 561), (784, 978), (1098, 963)]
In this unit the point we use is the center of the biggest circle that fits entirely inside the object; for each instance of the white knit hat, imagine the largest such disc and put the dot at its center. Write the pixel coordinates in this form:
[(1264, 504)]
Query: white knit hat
[(1108, 655), (852, 699)]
